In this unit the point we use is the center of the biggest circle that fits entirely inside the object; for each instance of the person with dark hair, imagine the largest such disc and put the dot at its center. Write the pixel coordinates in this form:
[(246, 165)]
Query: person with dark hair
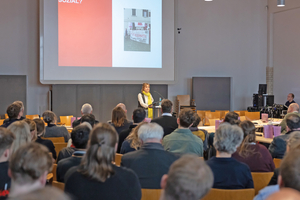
[(14, 112), (40, 129), (80, 139), (277, 147), (138, 116), (6, 140), (96, 177), (79, 136), (51, 129), (290, 100), (19, 103), (90, 118), (182, 140), (119, 120), (167, 121), (255, 155)]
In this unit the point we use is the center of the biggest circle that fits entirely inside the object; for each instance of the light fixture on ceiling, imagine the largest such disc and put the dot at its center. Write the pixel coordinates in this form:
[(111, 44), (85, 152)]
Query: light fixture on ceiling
[(280, 3), (208, 0)]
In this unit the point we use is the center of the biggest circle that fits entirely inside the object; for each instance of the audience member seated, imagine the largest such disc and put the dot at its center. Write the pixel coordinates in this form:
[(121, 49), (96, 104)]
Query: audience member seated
[(69, 151), (28, 168), (227, 138), (32, 127), (277, 147), (189, 178), (20, 103), (51, 129), (6, 140), (21, 131), (285, 194), (292, 109), (167, 121), (14, 112), (132, 142), (80, 137), (290, 99), (151, 161), (194, 128), (119, 120), (289, 175), (89, 118), (255, 155), (46, 193), (292, 143), (85, 109), (182, 140), (40, 128), (96, 177), (137, 117)]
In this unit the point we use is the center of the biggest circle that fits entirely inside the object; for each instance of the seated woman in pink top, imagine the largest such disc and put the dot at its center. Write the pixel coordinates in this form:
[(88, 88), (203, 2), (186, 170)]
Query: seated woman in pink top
[(255, 155)]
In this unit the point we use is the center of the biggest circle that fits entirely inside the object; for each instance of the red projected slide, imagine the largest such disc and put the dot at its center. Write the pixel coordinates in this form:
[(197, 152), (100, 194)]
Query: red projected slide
[(85, 33)]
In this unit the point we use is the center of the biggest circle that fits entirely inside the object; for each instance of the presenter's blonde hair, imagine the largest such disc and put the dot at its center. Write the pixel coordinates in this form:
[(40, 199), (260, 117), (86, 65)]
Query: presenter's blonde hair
[(144, 85)]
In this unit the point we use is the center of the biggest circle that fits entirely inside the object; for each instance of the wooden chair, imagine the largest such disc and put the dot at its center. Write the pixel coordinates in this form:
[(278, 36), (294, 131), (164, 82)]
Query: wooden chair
[(201, 114), (242, 112), (55, 139), (211, 115), (218, 194), (32, 117), (222, 113), (277, 162), (151, 194), (58, 185), (66, 120), (49, 178), (54, 172), (1, 121), (118, 158), (59, 147), (212, 122), (252, 115), (261, 180), (242, 118), (6, 116), (238, 113)]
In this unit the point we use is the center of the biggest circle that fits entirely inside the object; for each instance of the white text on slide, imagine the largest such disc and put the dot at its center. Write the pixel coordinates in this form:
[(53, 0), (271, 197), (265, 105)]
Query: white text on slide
[(70, 1)]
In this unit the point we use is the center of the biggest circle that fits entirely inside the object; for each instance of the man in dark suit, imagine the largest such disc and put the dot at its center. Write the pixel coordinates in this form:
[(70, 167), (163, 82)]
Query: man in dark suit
[(168, 122), (150, 162)]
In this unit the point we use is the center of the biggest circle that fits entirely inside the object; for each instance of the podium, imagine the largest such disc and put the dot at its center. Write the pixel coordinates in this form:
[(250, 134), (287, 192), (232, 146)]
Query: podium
[(156, 111)]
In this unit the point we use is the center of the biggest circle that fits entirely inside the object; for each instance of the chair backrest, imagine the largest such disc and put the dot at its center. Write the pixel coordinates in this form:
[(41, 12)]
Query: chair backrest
[(58, 185), (261, 180), (222, 113), (118, 158), (241, 112), (219, 194), (55, 139), (201, 114), (32, 117), (184, 100), (242, 118), (212, 122), (59, 147), (54, 172), (66, 120), (6, 116), (211, 115), (151, 194), (277, 162), (252, 115), (1, 121)]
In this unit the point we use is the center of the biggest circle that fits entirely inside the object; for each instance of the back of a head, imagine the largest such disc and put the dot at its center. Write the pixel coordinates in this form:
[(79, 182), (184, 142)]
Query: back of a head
[(290, 170), (49, 117), (249, 130), (40, 126), (232, 118), (90, 118), (186, 118), (294, 140), (80, 136), (294, 107), (29, 163), (86, 109), (6, 140), (122, 105), (293, 121), (197, 120), (166, 106), (139, 115), (13, 110), (118, 117), (32, 127), (285, 194), (21, 130), (46, 193), (97, 162), (189, 178), (20, 103), (150, 131), (228, 137)]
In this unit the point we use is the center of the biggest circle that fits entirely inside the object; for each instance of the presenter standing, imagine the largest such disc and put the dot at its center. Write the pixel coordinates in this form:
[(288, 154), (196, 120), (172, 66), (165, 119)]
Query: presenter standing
[(145, 99)]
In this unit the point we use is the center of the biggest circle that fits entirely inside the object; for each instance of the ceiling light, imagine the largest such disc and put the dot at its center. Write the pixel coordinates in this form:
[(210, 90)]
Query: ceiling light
[(280, 3)]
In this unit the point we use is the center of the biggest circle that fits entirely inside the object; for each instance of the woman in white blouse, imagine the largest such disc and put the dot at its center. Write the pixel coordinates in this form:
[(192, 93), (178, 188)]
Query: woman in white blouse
[(145, 99)]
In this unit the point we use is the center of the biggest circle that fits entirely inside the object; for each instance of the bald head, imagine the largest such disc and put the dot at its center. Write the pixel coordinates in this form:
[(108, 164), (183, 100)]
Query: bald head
[(122, 105), (294, 107), (285, 194)]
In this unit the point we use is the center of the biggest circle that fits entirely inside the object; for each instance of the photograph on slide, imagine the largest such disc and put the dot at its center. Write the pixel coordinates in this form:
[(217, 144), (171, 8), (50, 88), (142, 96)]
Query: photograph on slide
[(137, 25)]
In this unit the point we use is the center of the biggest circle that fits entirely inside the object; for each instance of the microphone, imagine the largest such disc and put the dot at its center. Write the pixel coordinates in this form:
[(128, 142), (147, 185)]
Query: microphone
[(159, 94)]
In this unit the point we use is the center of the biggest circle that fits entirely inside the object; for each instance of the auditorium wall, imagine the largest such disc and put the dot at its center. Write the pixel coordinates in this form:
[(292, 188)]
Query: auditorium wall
[(220, 38)]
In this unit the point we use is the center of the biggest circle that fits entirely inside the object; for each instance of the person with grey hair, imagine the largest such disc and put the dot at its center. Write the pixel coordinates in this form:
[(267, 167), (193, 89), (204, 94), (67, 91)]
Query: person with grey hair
[(189, 178), (228, 172), (292, 109), (151, 161), (85, 109)]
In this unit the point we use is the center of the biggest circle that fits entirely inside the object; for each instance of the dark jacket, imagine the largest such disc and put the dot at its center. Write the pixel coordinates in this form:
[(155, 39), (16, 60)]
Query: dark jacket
[(57, 131), (9, 122), (274, 178), (65, 153), (150, 163), (277, 147), (168, 123), (122, 128), (76, 122), (123, 135), (48, 144)]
